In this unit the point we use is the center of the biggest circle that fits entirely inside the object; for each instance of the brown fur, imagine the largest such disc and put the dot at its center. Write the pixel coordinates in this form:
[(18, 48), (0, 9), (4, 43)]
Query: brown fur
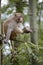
[(15, 18)]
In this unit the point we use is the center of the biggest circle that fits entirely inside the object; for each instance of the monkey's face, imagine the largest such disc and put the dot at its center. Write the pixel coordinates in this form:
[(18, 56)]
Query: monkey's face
[(19, 17)]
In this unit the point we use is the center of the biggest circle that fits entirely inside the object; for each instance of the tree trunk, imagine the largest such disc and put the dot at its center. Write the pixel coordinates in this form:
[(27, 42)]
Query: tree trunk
[(33, 25), (39, 21), (33, 21)]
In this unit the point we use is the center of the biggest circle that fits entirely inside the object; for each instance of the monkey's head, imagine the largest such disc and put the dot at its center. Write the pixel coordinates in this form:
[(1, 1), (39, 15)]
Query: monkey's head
[(19, 17)]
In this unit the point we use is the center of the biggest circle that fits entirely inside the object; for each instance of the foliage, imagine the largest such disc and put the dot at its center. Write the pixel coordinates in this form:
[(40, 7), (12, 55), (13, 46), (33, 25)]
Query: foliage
[(19, 4), (24, 49)]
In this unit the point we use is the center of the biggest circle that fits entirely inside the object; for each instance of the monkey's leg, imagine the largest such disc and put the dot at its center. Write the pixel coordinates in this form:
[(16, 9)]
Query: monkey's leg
[(8, 34)]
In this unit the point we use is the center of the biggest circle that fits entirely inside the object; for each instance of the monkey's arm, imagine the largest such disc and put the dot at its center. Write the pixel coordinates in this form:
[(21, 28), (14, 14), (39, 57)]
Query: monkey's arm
[(18, 30)]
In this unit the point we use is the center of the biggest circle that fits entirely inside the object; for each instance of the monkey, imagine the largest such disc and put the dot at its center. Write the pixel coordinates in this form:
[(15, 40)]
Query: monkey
[(14, 26), (11, 26)]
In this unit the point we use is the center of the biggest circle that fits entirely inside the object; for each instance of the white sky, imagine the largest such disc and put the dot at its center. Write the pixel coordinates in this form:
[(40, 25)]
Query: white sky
[(5, 2), (40, 0)]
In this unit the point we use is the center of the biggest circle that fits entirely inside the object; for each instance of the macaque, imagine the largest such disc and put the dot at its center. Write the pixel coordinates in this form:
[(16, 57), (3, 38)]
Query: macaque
[(14, 26), (11, 26)]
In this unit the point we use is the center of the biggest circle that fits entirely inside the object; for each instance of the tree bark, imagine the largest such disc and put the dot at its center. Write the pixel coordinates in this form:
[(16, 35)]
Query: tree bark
[(33, 26), (33, 21)]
